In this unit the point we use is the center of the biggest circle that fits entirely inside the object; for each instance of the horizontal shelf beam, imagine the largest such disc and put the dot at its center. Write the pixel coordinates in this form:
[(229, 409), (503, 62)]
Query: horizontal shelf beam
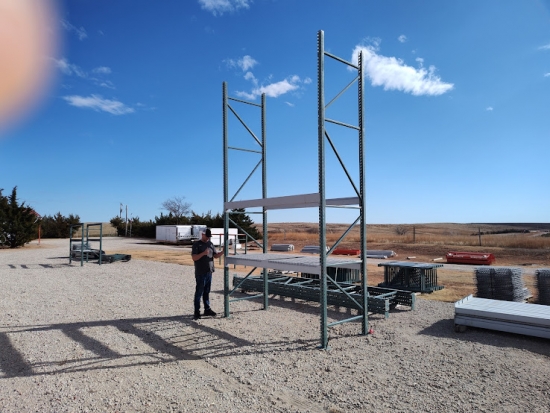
[(292, 201), (291, 262)]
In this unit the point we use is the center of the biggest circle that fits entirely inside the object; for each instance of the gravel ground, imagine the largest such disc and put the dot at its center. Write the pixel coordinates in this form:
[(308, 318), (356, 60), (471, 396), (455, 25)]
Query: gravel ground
[(120, 338)]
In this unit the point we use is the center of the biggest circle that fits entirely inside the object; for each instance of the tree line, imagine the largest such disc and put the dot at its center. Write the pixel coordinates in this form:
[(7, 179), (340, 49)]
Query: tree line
[(147, 229), (20, 223)]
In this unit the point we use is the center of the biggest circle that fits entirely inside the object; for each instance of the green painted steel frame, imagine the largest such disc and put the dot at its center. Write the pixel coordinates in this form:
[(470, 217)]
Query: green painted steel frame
[(262, 162), (410, 276), (346, 295), (361, 192), (88, 239)]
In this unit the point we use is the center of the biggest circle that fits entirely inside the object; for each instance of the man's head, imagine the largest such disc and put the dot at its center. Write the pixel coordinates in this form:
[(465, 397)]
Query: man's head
[(207, 234)]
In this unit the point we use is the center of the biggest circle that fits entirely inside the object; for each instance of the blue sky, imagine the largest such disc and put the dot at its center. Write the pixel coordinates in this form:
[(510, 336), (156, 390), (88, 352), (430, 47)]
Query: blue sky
[(457, 99)]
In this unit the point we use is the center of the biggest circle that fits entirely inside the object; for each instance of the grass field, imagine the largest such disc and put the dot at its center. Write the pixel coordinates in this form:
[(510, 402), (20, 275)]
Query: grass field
[(533, 236), (422, 243)]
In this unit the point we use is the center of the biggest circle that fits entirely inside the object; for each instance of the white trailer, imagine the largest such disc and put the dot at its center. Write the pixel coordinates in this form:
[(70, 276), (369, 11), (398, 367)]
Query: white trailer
[(198, 230), (175, 234), (232, 237)]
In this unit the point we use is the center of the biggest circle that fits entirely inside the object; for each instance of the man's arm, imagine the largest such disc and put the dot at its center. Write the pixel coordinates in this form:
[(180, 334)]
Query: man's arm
[(199, 255)]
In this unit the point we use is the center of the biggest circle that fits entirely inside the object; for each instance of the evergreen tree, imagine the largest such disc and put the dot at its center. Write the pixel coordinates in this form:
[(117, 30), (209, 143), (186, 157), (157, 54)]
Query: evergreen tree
[(171, 220), (120, 225), (3, 214), (244, 223), (211, 221), (18, 223), (58, 226), (135, 228)]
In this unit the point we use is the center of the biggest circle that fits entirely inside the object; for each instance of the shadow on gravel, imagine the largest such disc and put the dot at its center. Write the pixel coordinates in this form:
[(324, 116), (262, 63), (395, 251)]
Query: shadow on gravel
[(297, 304), (445, 329), (308, 307), (112, 344), (35, 266)]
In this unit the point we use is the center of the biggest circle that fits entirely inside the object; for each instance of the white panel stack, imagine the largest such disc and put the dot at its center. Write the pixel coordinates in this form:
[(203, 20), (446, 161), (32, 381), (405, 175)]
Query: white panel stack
[(312, 249), (518, 318), (282, 247)]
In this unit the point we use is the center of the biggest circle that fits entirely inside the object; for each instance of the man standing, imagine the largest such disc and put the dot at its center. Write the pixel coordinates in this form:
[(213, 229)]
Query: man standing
[(203, 254)]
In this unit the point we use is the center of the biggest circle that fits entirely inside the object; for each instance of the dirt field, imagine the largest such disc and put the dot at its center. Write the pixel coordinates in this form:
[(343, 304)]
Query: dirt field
[(457, 280)]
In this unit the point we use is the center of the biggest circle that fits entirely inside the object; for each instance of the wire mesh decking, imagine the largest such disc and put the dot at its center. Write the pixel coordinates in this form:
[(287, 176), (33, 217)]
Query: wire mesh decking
[(411, 276), (543, 285), (500, 283)]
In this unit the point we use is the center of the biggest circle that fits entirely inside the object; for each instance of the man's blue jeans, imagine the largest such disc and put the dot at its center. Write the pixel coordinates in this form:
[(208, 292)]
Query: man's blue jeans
[(202, 289)]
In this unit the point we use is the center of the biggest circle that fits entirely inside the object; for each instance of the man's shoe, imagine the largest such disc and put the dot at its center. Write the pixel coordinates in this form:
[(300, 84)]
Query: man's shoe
[(197, 316), (209, 312)]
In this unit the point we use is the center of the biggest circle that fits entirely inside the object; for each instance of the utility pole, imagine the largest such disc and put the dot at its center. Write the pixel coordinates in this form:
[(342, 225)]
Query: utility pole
[(121, 210), (126, 221)]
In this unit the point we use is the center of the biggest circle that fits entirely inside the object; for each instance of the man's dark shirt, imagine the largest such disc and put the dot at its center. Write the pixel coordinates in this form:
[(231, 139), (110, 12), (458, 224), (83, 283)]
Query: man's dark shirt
[(202, 265)]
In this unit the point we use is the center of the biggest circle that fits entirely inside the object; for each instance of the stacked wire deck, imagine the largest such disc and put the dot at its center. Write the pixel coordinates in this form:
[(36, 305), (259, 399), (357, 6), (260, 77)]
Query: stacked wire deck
[(500, 283), (543, 285)]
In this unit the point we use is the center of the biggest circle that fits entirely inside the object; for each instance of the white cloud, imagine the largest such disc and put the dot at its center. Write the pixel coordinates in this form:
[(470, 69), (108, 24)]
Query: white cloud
[(250, 76), (274, 90), (102, 70), (79, 31), (219, 7), (69, 68), (489, 108), (547, 74), (104, 83), (402, 38), (245, 63), (246, 95), (99, 104), (393, 74), (278, 88), (545, 47), (290, 104)]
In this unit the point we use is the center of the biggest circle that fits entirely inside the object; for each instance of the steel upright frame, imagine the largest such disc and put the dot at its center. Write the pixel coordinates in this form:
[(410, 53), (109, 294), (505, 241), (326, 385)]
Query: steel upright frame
[(306, 200), (88, 239), (262, 162), (323, 137)]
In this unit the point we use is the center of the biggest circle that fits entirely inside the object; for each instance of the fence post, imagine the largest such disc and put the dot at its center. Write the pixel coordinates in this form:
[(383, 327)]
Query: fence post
[(479, 235)]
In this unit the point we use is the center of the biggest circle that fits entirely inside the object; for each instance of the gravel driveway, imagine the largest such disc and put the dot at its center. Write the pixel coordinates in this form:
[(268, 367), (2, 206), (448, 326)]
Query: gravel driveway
[(120, 338)]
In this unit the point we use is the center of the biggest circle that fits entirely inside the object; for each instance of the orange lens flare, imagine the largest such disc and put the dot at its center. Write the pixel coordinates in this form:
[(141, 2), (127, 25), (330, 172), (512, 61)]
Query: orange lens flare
[(28, 40)]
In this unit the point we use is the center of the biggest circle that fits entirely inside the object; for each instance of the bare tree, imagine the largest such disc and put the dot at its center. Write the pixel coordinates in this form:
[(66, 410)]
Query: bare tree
[(177, 207), (401, 230)]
